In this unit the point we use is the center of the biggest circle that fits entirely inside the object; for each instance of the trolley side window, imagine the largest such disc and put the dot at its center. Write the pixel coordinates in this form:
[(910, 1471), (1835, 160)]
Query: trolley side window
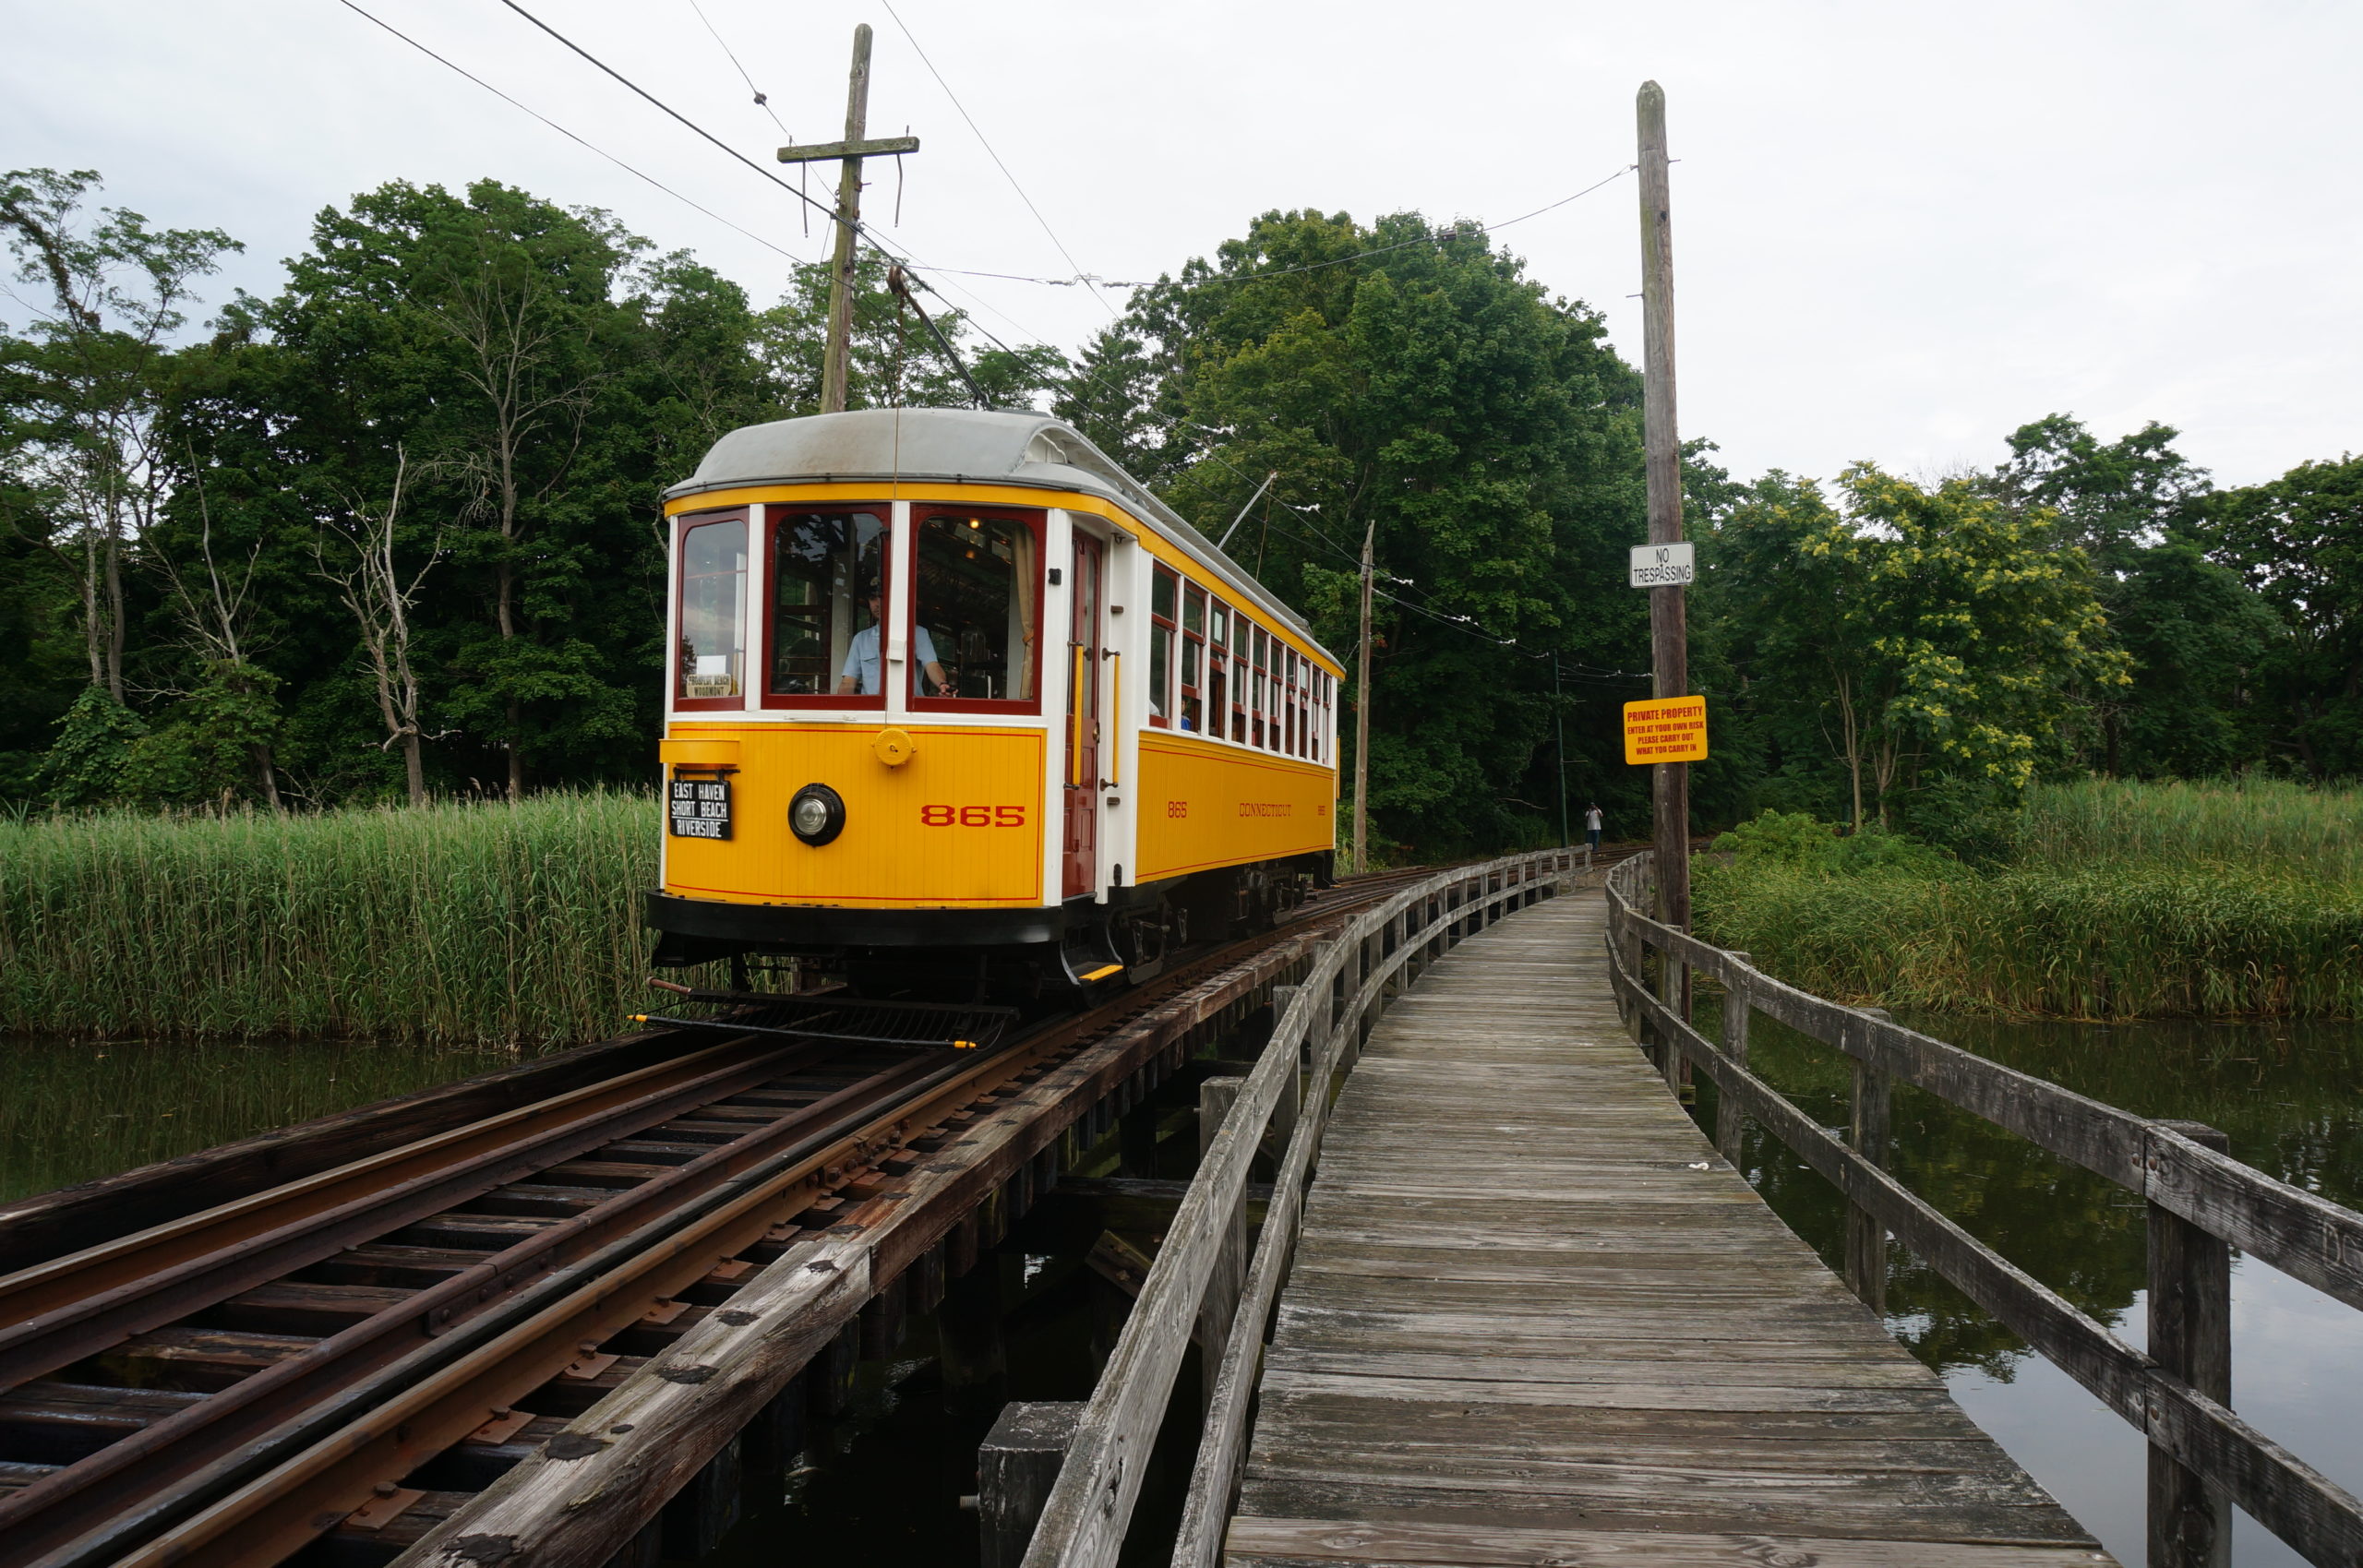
[(1163, 589), (976, 609), (828, 584), (1250, 702), (1291, 735), (713, 654), (1218, 663), (1259, 691), (1193, 657), (1302, 704)]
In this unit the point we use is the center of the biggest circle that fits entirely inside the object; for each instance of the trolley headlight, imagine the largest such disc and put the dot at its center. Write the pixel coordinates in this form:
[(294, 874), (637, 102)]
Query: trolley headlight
[(816, 814)]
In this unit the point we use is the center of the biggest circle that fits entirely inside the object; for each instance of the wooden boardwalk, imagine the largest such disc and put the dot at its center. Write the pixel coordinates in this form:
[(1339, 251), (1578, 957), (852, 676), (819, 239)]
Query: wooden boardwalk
[(1535, 1320)]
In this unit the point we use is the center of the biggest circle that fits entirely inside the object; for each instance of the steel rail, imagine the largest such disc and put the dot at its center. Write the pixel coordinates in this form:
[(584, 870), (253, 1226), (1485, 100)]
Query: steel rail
[(57, 1312), (147, 1463), (282, 1489)]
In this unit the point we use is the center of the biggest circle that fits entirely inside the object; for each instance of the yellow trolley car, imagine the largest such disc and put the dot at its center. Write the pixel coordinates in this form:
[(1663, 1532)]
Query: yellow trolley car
[(957, 706)]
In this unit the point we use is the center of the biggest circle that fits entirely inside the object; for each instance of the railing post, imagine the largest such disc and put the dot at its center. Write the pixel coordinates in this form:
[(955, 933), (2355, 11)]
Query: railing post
[(2190, 1338), (1341, 1015), (1673, 981), (1221, 1303), (1866, 1238), (1731, 1127), (1284, 1115)]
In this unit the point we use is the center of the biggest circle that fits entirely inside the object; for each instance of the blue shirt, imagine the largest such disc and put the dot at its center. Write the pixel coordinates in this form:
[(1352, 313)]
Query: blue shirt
[(861, 657)]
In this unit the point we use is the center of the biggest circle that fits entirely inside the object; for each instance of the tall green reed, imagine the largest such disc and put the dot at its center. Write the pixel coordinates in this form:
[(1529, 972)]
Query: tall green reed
[(2103, 940), (2122, 900), (2266, 825), (450, 924)]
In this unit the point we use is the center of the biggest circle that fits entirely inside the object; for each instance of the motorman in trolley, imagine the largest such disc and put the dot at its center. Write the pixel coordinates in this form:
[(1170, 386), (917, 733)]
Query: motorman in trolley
[(863, 660)]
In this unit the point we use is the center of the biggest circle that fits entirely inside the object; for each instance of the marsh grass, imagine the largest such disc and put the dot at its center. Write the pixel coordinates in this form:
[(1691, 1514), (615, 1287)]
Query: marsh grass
[(2269, 825), (2124, 901), (474, 925)]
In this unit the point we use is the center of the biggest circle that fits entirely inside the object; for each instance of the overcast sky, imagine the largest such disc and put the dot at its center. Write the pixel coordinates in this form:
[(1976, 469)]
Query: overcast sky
[(1902, 230)]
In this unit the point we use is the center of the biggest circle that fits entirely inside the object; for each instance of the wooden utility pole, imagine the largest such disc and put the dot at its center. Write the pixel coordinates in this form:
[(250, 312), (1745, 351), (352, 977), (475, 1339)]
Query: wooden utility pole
[(1669, 641), (1559, 724), (836, 358), (1362, 715)]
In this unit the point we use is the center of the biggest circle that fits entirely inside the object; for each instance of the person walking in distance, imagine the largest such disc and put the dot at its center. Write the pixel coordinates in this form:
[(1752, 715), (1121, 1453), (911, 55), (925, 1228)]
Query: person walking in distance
[(1593, 823)]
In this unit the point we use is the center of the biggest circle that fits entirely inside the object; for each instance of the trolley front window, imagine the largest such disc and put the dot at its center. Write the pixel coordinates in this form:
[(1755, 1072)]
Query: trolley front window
[(828, 584), (977, 610), (711, 670)]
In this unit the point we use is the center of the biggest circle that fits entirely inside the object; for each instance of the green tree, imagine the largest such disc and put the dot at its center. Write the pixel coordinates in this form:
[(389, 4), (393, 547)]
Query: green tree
[(538, 377), (892, 359), (2298, 540), (1120, 394), (41, 649), (85, 765), (2110, 496), (1416, 385), (2194, 633), (88, 375), (2200, 641), (1936, 638)]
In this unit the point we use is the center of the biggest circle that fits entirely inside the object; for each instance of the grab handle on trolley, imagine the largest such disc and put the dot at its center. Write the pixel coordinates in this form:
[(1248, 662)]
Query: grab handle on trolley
[(1075, 710), (1116, 716)]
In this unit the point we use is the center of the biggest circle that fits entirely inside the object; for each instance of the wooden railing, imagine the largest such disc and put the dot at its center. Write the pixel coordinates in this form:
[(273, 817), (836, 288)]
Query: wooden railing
[(2201, 1202), (1195, 1285)]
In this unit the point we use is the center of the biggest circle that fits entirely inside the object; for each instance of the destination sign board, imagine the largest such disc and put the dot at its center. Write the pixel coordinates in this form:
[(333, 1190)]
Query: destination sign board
[(1664, 566), (1671, 729), (699, 808)]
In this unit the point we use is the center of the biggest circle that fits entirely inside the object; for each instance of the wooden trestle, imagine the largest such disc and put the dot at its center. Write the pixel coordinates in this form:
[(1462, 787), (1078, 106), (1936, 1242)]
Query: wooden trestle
[(1535, 1319)]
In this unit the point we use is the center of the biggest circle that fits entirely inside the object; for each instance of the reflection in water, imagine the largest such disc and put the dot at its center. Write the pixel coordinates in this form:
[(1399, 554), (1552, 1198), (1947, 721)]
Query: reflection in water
[(2290, 1097), (75, 1110)]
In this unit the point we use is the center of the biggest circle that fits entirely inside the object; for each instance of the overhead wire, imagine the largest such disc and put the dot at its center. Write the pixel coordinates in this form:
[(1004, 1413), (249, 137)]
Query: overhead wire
[(1466, 625), (763, 102), (860, 229), (762, 99), (1080, 275), (580, 141), (1432, 237)]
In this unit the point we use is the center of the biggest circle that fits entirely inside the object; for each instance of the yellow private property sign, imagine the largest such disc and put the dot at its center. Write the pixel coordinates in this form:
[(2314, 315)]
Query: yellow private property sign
[(1671, 730)]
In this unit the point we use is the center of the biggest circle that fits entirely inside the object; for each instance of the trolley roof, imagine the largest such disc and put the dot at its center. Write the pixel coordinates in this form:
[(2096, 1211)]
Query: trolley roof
[(955, 446)]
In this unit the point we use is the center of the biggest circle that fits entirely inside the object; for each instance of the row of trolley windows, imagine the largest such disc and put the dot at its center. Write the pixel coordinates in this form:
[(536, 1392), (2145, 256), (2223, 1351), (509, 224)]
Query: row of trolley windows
[(976, 610), (1213, 671), (974, 638)]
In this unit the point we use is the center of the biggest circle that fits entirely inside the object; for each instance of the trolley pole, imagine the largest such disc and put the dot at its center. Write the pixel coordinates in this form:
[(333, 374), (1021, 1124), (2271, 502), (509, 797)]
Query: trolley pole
[(1362, 714), (837, 356), (1669, 644)]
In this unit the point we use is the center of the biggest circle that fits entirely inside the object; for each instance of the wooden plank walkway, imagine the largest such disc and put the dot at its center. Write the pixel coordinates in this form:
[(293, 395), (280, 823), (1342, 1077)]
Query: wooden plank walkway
[(1534, 1318)]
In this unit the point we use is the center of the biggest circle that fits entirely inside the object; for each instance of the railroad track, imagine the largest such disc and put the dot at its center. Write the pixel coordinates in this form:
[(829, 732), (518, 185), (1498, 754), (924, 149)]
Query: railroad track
[(170, 1391)]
